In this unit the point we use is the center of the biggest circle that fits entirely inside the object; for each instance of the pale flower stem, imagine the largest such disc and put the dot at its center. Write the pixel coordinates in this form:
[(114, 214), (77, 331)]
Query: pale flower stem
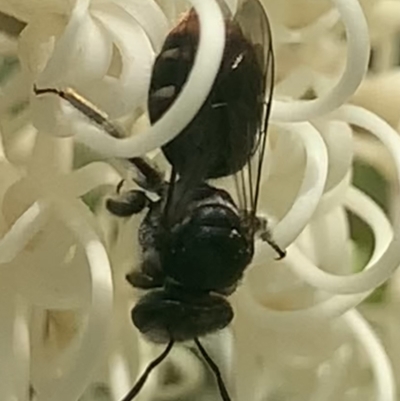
[(22, 231), (358, 49), (293, 223), (201, 78), (52, 70), (93, 341), (367, 210), (380, 363)]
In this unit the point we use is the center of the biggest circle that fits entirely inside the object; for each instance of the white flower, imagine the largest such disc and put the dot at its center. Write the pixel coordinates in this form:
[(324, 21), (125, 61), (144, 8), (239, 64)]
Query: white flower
[(296, 333)]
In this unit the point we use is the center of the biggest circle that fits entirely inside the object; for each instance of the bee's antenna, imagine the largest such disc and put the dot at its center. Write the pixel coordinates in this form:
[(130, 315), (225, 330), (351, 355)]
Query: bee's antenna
[(142, 379), (213, 366)]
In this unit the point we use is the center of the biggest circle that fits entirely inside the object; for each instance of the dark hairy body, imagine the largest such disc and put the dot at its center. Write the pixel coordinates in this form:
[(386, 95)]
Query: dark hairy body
[(193, 265)]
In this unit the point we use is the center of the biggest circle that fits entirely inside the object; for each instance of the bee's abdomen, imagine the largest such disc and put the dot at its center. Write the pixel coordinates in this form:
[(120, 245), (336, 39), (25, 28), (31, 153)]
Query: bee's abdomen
[(224, 131)]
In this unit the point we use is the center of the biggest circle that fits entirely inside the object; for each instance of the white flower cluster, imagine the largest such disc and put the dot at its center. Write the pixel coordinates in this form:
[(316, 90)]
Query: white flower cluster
[(64, 308)]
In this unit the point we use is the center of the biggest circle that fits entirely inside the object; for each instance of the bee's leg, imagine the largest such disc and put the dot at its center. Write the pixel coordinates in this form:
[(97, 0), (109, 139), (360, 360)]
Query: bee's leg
[(83, 105), (148, 176), (139, 279), (150, 274), (128, 203), (227, 290), (265, 235)]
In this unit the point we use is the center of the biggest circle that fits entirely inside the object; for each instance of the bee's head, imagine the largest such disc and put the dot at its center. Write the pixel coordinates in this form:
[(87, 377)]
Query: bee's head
[(165, 315)]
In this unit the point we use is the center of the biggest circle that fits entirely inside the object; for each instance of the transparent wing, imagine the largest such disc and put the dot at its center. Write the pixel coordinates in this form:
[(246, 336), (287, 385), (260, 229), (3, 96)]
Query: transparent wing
[(254, 24)]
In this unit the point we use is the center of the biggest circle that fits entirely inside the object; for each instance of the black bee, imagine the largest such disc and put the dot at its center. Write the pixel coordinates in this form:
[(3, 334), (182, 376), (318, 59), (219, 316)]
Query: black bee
[(196, 239)]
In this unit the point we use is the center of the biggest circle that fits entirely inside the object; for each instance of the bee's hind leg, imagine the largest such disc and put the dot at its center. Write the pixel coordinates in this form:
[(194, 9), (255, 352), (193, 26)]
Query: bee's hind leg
[(150, 274), (128, 203), (148, 176), (145, 175)]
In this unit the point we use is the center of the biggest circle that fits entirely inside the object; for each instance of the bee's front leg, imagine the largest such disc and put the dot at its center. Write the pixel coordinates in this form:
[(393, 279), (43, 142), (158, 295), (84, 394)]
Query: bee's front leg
[(266, 236)]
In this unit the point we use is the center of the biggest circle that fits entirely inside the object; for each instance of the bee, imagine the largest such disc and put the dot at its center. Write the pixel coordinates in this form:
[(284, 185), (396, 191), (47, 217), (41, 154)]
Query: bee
[(196, 239)]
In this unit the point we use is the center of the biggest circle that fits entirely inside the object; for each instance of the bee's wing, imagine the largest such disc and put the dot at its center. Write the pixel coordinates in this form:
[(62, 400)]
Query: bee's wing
[(182, 191), (253, 21)]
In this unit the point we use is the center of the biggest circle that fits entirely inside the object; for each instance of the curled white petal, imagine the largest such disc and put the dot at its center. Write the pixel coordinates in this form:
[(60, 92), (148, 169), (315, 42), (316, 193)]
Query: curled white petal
[(82, 53), (288, 229), (148, 14), (335, 306), (378, 271), (126, 92), (36, 44), (367, 211), (338, 137), (380, 363), (357, 62), (194, 93), (90, 349)]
